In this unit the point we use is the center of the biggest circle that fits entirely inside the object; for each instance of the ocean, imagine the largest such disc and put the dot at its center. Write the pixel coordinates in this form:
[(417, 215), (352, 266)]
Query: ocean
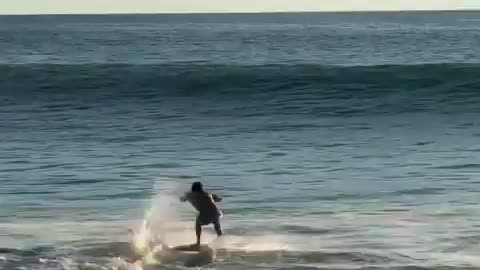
[(337, 140)]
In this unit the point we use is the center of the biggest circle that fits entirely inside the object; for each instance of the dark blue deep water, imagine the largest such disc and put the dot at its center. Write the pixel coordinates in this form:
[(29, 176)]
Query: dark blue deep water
[(339, 141)]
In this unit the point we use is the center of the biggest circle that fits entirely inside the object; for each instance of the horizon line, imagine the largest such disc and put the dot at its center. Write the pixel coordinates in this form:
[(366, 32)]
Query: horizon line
[(245, 13)]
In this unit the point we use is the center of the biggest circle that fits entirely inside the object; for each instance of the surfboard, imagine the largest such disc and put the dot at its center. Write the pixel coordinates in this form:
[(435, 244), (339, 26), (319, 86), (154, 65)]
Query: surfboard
[(191, 248), (190, 255)]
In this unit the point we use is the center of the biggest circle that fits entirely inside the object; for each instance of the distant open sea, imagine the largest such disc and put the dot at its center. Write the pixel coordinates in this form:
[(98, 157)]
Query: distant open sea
[(338, 140)]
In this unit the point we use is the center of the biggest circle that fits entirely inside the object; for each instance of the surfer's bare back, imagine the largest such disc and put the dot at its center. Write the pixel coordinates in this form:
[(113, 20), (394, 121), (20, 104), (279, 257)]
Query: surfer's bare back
[(205, 203)]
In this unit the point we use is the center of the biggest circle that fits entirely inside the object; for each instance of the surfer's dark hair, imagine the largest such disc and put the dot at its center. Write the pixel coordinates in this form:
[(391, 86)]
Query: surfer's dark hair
[(197, 187)]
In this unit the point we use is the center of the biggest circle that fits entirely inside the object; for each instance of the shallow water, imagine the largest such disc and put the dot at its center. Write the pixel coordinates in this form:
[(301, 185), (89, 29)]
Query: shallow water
[(339, 141)]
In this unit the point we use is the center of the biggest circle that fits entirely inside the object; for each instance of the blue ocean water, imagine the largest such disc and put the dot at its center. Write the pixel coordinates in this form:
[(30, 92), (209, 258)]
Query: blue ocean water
[(338, 141)]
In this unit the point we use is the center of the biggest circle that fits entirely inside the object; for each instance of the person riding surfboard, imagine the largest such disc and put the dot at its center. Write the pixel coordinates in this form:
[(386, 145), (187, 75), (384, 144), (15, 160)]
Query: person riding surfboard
[(205, 204)]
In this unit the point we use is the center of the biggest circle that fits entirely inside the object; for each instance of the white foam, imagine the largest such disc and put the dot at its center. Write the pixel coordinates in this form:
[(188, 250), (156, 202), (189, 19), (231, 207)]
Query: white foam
[(121, 264), (251, 243)]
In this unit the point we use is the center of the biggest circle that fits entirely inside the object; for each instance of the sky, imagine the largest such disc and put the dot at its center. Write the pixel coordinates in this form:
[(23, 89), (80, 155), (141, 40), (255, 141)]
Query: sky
[(193, 6)]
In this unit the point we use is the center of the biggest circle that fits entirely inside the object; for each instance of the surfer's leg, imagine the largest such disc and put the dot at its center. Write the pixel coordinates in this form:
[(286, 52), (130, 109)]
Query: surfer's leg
[(198, 229), (218, 227)]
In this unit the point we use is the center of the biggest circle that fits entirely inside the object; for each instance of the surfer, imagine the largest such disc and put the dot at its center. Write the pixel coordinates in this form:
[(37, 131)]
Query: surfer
[(205, 204)]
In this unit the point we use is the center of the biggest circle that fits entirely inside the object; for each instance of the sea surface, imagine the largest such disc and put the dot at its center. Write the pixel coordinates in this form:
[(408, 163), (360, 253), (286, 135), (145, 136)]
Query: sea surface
[(338, 141)]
